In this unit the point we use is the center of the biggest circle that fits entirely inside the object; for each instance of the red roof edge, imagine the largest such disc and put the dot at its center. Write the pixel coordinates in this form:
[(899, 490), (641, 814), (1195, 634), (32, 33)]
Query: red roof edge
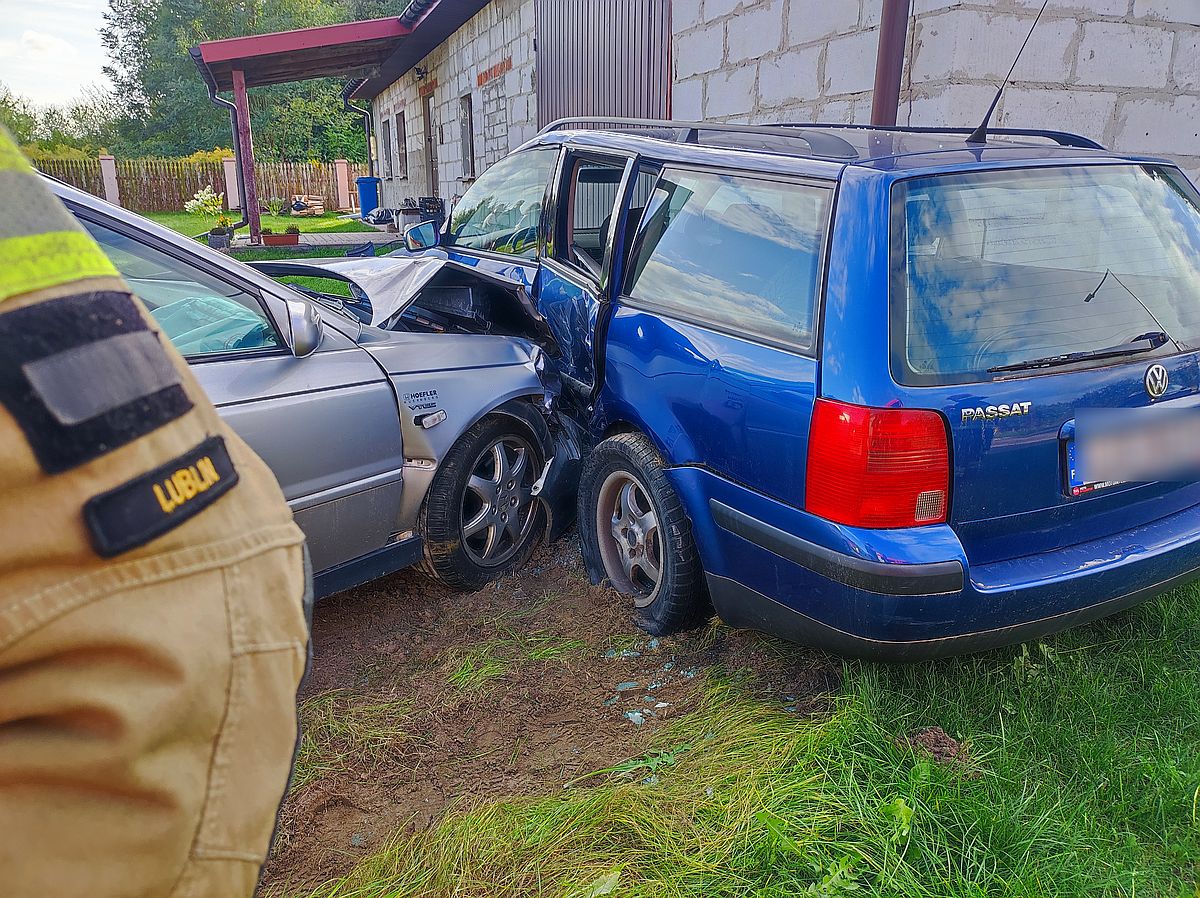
[(234, 48)]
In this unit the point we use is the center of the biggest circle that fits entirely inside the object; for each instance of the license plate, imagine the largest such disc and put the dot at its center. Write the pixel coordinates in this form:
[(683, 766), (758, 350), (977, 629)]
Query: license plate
[(1077, 482), (1115, 446)]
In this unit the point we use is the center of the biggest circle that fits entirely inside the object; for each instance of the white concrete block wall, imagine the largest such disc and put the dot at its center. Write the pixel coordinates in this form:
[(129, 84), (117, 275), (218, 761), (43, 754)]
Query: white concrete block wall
[(1126, 72), (504, 110), (773, 60)]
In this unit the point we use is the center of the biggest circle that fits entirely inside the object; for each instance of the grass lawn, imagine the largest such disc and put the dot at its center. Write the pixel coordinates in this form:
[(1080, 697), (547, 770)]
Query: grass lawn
[(277, 253), (1080, 775), (329, 223)]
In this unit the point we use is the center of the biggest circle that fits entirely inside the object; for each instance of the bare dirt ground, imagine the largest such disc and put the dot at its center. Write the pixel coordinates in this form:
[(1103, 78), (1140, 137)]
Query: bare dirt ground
[(421, 700)]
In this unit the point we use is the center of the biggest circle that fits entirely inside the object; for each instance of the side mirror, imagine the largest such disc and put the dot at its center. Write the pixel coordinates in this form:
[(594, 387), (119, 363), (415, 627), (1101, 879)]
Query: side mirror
[(423, 235), (304, 319)]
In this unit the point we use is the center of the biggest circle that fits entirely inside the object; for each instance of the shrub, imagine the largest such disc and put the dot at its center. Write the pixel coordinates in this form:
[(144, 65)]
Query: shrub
[(205, 203), (216, 154)]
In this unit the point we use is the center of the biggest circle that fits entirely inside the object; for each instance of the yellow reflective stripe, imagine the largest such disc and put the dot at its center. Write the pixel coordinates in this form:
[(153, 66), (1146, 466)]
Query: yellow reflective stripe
[(37, 261), (10, 156)]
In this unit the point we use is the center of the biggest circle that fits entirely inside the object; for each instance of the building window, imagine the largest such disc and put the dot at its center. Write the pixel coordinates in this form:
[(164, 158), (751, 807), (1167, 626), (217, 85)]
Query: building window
[(385, 158), (468, 136), (401, 146)]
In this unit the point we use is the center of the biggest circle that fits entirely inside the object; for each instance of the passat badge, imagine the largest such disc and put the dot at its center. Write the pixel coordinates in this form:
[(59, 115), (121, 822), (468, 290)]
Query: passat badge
[(992, 412)]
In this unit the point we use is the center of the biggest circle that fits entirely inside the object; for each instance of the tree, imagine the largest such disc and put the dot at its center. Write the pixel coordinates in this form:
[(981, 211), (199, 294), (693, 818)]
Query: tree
[(18, 116), (80, 129), (168, 111)]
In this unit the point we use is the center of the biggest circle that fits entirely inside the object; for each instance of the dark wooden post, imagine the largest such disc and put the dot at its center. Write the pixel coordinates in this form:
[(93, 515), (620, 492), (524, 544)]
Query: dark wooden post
[(889, 61), (246, 155)]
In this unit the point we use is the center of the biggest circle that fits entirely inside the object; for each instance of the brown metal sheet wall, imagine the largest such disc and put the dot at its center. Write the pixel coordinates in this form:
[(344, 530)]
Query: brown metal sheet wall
[(603, 57)]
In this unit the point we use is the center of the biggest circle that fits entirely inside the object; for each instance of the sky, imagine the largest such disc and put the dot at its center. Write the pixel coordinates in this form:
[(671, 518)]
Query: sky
[(50, 49)]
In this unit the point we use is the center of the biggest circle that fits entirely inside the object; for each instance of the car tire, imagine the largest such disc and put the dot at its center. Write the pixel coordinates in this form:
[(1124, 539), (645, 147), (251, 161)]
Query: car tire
[(480, 520), (636, 536)]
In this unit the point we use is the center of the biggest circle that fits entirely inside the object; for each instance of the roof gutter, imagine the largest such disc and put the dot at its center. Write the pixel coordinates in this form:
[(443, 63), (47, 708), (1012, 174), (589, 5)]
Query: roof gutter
[(218, 100), (368, 118), (416, 11)]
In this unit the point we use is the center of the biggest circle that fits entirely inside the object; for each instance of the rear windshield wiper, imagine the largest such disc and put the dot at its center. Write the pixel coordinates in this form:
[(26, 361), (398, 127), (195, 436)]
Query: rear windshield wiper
[(1139, 344)]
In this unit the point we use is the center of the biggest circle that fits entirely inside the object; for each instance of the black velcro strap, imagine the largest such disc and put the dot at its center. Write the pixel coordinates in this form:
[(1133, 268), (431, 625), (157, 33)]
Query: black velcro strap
[(160, 500), (33, 337)]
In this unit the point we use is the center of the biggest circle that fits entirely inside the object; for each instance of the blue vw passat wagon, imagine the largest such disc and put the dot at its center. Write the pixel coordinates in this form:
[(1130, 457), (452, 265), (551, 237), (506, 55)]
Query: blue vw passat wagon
[(833, 381)]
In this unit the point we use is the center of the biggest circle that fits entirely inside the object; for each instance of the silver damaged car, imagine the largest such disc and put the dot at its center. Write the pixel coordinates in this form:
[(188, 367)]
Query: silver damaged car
[(409, 416)]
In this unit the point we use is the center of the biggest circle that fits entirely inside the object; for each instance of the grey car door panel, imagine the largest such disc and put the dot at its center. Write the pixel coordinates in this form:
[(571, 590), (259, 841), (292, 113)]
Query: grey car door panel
[(327, 425)]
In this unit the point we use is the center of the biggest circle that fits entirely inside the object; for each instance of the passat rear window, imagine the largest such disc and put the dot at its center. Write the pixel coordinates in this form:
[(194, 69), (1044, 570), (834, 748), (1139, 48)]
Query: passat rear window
[(998, 268)]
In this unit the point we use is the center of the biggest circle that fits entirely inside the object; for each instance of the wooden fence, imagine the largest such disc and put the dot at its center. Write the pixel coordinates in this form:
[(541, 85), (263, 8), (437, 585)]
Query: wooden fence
[(281, 180), (164, 185), (81, 173)]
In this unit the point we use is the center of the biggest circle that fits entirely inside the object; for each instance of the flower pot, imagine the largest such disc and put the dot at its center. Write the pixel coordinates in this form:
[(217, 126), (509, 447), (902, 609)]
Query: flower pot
[(281, 239), (219, 241)]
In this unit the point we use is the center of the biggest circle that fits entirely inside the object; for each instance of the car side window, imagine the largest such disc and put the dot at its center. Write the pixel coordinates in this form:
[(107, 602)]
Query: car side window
[(199, 313), (502, 211), (741, 253), (592, 189)]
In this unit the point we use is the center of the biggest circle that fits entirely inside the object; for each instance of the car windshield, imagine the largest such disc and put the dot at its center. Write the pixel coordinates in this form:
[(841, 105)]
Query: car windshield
[(501, 211), (994, 270)]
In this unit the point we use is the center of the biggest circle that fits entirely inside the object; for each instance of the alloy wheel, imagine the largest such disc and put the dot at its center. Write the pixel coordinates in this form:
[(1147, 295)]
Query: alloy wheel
[(498, 506), (628, 532)]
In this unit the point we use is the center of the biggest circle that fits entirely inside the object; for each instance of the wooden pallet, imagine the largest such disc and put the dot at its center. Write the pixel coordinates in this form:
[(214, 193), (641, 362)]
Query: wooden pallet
[(316, 204)]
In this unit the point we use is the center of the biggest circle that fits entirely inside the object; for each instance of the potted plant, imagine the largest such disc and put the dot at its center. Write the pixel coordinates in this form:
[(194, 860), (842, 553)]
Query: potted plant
[(290, 237), (207, 203), (221, 235)]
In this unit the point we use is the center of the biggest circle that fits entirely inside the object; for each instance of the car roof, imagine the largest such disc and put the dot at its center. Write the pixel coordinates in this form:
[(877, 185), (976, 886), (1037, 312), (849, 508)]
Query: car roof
[(826, 149)]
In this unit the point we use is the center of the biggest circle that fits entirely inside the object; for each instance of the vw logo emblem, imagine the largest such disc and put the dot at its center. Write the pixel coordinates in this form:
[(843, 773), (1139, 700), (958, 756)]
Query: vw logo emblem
[(1156, 380)]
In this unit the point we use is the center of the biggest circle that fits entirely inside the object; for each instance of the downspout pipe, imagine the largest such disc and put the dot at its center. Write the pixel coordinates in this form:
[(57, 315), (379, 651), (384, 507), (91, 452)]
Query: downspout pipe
[(218, 100), (368, 118), (889, 61)]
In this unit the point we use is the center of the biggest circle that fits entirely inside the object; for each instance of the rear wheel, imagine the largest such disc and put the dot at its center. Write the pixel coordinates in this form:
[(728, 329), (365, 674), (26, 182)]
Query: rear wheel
[(636, 536), (481, 519)]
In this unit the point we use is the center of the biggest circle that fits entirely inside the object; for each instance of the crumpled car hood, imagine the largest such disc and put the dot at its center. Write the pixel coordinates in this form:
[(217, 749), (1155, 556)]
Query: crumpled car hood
[(388, 284)]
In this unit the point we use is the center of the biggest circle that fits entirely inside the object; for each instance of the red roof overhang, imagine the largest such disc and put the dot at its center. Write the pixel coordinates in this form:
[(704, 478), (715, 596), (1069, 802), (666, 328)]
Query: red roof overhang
[(438, 19), (337, 50)]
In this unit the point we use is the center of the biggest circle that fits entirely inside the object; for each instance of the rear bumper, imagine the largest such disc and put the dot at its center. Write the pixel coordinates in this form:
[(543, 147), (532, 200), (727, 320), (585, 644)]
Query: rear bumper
[(912, 593), (884, 578)]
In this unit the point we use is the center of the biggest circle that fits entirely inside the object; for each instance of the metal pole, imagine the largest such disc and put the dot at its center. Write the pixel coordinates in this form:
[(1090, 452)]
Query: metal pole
[(889, 62), (246, 157)]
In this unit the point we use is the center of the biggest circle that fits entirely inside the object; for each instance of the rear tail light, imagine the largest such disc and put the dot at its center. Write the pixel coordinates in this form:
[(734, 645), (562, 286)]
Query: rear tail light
[(877, 467)]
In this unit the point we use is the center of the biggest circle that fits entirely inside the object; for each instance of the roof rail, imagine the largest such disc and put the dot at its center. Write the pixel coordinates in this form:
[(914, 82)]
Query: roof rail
[(826, 146), (1062, 138)]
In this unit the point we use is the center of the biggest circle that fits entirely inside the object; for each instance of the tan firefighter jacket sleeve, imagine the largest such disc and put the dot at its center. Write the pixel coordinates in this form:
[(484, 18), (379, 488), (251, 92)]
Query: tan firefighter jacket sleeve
[(152, 635)]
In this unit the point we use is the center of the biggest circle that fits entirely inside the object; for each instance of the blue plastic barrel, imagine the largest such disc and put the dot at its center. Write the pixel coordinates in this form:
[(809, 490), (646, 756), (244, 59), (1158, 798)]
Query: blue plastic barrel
[(368, 194)]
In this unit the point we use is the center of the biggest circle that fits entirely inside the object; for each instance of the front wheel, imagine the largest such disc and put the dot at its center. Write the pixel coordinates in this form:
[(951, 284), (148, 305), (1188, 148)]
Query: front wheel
[(481, 519), (636, 536)]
